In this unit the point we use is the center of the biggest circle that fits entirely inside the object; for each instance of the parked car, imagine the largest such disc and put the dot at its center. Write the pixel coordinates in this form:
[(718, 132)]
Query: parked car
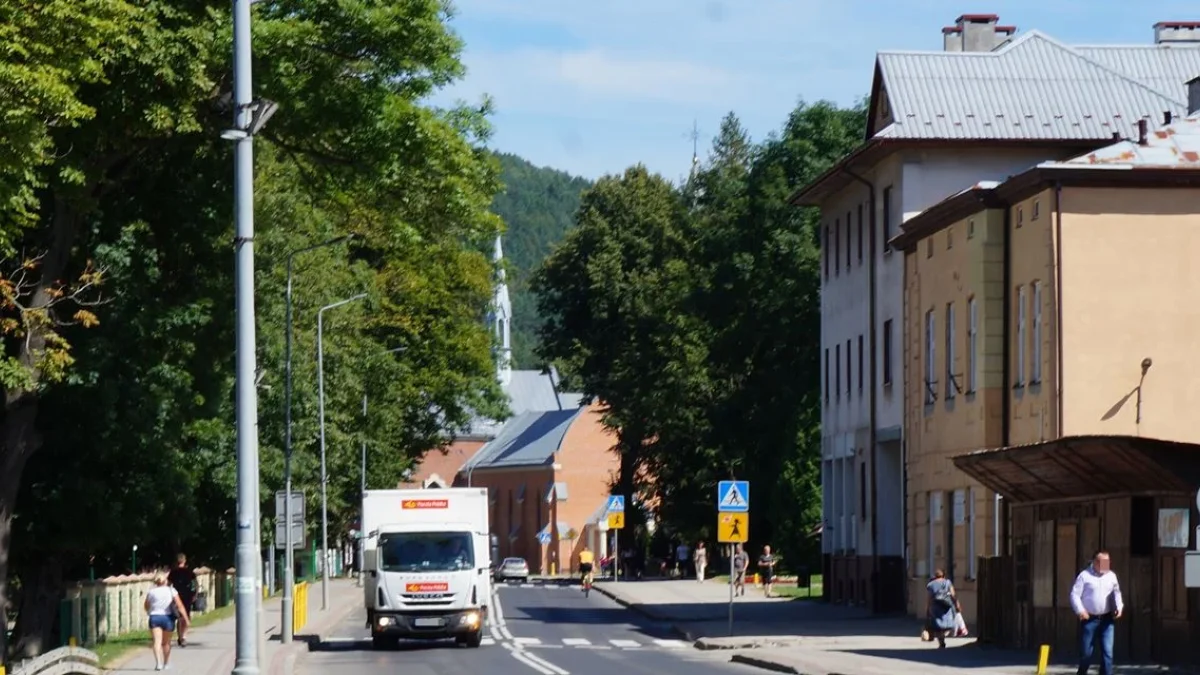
[(513, 569)]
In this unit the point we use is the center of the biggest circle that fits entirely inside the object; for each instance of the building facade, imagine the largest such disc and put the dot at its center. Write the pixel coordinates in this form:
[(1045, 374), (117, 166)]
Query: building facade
[(937, 124), (1081, 271)]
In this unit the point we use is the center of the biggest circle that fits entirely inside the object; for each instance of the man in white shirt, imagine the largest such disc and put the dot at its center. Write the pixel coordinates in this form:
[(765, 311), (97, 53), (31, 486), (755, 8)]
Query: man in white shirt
[(1096, 600)]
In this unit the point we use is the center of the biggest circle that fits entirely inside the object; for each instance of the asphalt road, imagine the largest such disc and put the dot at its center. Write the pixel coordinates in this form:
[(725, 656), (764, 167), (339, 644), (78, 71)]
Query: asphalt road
[(537, 630)]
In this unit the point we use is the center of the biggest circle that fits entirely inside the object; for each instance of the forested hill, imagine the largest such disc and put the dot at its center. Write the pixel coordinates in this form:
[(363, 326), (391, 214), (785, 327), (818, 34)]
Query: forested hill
[(538, 204)]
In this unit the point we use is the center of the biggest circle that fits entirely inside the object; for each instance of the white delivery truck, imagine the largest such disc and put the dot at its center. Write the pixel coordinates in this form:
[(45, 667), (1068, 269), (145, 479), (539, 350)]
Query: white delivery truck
[(427, 561)]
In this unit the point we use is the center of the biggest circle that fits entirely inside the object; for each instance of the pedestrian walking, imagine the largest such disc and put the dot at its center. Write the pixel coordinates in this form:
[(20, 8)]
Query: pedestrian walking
[(741, 561), (1096, 600), (766, 568), (700, 559), (160, 601), (941, 608), (681, 559), (183, 579)]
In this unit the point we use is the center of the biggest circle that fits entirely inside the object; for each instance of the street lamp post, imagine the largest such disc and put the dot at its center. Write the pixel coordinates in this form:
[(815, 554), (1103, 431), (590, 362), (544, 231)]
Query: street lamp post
[(324, 475), (289, 563)]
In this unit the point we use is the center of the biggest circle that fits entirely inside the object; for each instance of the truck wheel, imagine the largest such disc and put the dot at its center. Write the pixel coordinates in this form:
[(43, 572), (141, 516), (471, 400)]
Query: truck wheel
[(383, 642), (473, 640)]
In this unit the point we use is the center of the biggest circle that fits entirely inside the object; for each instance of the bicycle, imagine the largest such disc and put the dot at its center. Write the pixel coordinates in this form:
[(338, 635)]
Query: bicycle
[(586, 581)]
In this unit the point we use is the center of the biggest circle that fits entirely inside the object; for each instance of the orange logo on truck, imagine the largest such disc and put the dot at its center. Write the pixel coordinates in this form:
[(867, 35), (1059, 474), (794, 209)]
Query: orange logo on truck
[(425, 503), (427, 587)]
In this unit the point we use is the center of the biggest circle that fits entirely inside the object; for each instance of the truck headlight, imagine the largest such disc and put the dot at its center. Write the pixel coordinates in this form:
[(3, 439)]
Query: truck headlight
[(469, 619), (385, 621)]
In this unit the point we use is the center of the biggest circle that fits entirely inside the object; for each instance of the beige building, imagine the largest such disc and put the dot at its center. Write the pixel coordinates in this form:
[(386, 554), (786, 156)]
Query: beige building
[(1049, 332)]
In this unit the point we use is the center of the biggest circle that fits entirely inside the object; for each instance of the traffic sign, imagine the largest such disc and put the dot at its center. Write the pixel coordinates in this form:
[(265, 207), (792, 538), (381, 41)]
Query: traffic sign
[(298, 528), (543, 537), (297, 505), (733, 496), (616, 520), (298, 543), (733, 528), (616, 504)]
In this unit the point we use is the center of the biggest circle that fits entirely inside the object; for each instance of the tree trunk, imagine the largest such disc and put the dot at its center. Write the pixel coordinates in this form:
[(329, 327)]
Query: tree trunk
[(41, 596), (20, 437)]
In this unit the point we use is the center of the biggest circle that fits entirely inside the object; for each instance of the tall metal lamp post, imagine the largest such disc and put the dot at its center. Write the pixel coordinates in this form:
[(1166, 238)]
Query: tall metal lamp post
[(289, 563), (324, 475), (249, 116)]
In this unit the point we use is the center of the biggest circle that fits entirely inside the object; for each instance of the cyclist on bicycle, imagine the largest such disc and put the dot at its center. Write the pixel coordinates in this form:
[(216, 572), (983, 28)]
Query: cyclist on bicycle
[(585, 564)]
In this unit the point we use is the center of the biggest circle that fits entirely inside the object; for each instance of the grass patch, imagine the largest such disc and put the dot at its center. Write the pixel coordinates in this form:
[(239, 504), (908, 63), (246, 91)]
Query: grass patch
[(118, 646), (784, 590)]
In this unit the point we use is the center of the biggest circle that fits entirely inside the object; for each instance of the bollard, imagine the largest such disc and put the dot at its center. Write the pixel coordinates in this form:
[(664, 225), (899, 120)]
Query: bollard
[(1043, 659), (71, 641)]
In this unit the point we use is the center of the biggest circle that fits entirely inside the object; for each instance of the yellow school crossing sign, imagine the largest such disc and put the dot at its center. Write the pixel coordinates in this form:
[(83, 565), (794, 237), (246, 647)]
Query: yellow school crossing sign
[(616, 520), (733, 528)]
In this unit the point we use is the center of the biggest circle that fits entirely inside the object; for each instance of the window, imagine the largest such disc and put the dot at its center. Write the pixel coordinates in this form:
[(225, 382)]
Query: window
[(1019, 371), (860, 363), (1037, 208), (860, 233), (971, 228), (929, 247), (827, 374), (887, 352), (848, 238), (825, 252), (837, 370), (849, 382), (1020, 215), (862, 490), (930, 354), (887, 218), (951, 355), (972, 346), (949, 237), (837, 247), (935, 506), (1036, 376)]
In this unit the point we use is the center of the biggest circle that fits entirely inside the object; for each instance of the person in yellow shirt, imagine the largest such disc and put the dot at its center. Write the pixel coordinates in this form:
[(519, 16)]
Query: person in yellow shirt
[(585, 562)]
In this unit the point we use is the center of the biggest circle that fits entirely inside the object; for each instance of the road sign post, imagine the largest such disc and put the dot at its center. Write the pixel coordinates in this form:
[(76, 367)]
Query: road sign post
[(615, 514), (733, 524), (298, 529)]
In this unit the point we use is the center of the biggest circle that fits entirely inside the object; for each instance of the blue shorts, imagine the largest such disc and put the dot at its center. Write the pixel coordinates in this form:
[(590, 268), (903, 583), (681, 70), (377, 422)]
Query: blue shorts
[(162, 621)]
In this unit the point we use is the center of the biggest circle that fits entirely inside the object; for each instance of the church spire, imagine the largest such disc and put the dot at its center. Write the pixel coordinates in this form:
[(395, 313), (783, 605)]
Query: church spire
[(502, 317)]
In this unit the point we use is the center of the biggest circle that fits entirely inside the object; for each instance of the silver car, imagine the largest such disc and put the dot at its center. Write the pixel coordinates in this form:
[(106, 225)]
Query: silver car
[(513, 569)]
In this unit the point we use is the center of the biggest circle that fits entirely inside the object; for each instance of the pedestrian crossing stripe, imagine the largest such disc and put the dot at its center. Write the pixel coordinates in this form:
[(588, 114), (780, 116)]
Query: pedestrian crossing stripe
[(584, 643), (733, 495)]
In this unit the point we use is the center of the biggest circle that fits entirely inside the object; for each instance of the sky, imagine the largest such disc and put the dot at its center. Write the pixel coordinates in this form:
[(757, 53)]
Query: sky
[(592, 87)]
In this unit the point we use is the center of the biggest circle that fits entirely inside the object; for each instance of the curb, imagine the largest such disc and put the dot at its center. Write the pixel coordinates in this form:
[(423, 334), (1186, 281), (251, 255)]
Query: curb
[(764, 664), (283, 662), (649, 614)]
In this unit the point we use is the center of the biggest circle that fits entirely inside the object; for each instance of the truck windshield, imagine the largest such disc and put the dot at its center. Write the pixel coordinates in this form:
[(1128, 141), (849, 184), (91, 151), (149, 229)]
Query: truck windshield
[(426, 552)]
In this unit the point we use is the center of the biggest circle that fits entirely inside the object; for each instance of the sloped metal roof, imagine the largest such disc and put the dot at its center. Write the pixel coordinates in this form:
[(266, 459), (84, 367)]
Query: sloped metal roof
[(530, 439), (1033, 88), (528, 391), (1167, 68), (1175, 145)]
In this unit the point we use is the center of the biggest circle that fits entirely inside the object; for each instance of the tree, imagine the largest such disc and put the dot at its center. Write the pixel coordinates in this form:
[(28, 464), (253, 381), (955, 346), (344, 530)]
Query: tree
[(140, 190)]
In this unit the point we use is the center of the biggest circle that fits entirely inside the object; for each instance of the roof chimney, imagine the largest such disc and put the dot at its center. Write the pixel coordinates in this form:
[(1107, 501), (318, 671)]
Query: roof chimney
[(1167, 32), (1193, 96), (1142, 131), (976, 33)]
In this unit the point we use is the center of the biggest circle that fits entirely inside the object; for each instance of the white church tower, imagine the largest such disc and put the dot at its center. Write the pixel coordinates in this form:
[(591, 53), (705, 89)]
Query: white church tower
[(502, 318)]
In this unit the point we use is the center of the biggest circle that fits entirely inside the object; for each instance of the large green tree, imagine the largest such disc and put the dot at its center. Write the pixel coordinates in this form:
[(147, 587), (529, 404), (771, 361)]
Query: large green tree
[(126, 426), (702, 336)]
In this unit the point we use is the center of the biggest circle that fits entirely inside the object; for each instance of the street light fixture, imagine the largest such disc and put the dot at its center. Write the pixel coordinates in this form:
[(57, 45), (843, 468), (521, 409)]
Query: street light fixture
[(285, 607), (324, 475)]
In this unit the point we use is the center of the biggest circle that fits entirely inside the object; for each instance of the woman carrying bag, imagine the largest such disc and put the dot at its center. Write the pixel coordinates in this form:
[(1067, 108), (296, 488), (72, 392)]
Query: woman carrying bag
[(941, 609)]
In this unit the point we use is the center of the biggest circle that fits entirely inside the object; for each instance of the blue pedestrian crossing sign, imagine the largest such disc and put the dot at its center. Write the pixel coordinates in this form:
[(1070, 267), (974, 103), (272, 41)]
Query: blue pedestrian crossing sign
[(543, 538), (733, 496), (616, 504)]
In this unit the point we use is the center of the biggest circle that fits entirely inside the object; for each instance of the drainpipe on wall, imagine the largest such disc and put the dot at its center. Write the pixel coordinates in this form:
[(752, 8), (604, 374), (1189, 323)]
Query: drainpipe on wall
[(873, 416), (1000, 521), (1058, 311)]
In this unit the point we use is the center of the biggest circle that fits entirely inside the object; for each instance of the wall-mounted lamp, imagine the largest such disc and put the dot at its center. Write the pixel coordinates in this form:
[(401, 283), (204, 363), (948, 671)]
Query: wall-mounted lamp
[(1146, 363)]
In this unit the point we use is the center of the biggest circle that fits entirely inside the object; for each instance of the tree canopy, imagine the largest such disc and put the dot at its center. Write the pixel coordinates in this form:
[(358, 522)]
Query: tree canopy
[(118, 322), (693, 314)]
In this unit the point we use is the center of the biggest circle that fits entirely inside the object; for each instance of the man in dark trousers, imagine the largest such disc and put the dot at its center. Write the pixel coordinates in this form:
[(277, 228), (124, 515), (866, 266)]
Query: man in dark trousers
[(183, 579)]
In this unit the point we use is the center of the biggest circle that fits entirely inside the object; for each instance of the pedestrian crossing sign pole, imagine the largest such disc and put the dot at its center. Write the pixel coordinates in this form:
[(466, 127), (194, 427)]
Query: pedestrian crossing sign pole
[(733, 524), (615, 513)]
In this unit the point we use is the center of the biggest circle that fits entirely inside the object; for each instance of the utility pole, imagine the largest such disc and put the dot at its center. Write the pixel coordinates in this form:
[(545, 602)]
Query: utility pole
[(248, 552)]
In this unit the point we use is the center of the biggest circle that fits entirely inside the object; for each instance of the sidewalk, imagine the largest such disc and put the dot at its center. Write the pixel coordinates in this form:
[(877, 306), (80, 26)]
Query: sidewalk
[(813, 638), (211, 649)]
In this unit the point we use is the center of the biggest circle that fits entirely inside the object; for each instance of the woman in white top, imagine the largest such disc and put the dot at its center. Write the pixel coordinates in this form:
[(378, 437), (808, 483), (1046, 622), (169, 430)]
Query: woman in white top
[(163, 605)]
